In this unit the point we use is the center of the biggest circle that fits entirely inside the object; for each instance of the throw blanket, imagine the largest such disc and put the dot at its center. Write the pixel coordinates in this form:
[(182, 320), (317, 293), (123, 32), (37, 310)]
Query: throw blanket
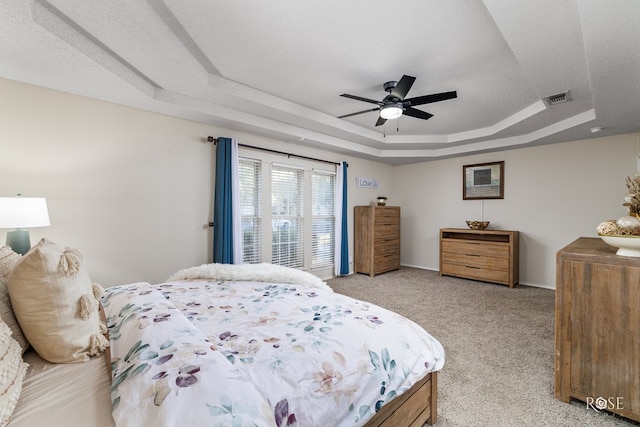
[(263, 272), (219, 353)]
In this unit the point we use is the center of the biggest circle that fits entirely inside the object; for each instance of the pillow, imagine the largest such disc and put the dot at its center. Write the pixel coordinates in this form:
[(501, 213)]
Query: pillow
[(56, 304), (12, 371), (7, 316), (8, 258), (263, 272)]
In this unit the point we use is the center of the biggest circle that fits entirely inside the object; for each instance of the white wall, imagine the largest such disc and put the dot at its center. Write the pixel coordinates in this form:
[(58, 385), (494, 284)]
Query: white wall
[(131, 189), (553, 195)]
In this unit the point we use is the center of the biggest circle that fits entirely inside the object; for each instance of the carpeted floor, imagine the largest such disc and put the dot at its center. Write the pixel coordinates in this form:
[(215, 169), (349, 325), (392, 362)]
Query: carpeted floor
[(499, 343)]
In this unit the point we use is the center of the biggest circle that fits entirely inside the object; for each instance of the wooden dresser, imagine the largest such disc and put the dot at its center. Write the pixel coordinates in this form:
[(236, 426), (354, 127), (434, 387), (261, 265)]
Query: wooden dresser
[(486, 255), (598, 327), (377, 239)]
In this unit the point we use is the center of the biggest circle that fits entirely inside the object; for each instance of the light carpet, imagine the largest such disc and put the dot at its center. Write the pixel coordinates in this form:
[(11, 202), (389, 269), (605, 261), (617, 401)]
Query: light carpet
[(500, 345)]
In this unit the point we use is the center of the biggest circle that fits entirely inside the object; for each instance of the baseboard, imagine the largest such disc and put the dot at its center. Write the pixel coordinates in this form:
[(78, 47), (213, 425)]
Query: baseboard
[(534, 285)]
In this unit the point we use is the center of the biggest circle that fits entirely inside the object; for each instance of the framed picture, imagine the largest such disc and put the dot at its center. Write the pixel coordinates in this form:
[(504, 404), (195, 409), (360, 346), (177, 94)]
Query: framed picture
[(483, 181)]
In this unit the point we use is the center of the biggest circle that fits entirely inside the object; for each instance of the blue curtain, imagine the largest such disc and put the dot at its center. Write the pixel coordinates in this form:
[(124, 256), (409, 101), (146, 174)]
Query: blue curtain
[(223, 203), (344, 241)]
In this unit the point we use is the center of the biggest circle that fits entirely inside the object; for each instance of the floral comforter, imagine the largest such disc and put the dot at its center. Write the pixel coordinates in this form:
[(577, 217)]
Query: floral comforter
[(225, 353)]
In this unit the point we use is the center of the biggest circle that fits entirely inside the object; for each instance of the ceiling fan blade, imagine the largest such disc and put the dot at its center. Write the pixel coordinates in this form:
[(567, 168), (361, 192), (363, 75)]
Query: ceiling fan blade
[(359, 98), (436, 97), (380, 121), (359, 112), (403, 86), (419, 114)]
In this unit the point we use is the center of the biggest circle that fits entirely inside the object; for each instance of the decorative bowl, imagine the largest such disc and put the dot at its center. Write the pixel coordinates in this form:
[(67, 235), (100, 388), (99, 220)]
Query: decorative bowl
[(627, 245), (478, 225)]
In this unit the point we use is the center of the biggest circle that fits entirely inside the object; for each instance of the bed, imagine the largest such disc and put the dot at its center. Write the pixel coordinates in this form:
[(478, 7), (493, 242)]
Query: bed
[(240, 345)]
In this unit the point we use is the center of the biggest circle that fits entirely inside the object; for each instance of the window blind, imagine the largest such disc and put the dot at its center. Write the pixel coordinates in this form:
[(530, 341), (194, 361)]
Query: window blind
[(251, 208), (287, 216), (323, 186)]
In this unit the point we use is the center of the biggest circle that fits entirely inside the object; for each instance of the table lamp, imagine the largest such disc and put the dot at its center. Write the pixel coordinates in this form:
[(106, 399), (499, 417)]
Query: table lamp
[(22, 212)]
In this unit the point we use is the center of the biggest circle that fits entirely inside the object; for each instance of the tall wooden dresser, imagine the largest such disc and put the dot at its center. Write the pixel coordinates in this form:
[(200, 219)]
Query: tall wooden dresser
[(598, 327), (377, 239)]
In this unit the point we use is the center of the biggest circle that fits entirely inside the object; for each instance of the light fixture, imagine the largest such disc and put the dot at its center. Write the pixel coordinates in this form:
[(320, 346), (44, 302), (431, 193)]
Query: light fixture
[(391, 111), (22, 212), (596, 129)]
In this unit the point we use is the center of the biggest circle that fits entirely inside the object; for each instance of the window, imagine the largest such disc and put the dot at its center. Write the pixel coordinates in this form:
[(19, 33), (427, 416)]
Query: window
[(287, 216), (323, 221), (297, 229), (251, 207)]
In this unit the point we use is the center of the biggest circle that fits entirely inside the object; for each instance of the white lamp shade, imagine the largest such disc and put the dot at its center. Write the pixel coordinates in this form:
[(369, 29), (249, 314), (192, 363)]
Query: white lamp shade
[(390, 112), (23, 212)]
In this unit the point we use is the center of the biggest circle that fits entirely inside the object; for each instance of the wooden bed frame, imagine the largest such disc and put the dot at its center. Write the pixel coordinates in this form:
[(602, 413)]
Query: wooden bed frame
[(411, 409)]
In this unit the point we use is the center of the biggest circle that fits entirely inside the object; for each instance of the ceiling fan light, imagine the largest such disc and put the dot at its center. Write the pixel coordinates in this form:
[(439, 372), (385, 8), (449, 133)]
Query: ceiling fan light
[(390, 112)]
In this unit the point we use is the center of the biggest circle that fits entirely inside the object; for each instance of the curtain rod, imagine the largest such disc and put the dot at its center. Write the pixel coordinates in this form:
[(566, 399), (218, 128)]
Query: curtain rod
[(269, 150)]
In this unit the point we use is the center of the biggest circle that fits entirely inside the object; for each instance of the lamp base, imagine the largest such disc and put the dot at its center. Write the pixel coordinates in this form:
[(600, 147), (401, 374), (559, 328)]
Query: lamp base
[(18, 241)]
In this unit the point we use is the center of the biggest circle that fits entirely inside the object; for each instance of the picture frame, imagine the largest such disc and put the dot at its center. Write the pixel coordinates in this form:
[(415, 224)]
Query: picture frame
[(483, 181)]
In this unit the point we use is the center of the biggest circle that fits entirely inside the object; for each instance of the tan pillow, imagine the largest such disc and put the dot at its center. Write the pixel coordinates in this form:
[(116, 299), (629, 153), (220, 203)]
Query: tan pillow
[(12, 371), (7, 316), (56, 304)]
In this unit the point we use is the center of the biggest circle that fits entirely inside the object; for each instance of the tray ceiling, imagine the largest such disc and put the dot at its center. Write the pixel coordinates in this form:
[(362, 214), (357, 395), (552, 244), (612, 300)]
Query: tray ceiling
[(277, 69)]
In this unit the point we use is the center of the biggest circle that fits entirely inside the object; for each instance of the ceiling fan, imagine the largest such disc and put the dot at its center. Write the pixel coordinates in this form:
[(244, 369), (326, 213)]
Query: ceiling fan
[(394, 105)]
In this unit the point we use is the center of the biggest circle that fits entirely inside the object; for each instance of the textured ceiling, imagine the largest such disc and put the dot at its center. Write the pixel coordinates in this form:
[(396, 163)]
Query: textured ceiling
[(277, 68)]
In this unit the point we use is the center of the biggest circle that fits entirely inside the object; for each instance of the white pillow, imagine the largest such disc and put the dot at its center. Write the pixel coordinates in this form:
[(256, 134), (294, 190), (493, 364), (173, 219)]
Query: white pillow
[(56, 304), (8, 259), (12, 371), (7, 316)]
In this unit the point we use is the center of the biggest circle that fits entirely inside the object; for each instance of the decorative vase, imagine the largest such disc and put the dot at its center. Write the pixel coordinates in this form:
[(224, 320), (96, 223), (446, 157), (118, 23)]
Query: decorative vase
[(382, 200)]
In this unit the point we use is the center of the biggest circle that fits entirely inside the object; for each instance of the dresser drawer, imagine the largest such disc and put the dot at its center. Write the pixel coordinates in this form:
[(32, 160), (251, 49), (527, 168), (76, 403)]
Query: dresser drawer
[(387, 231), (387, 262), (387, 246), (497, 276), (477, 261), (490, 249), (387, 215)]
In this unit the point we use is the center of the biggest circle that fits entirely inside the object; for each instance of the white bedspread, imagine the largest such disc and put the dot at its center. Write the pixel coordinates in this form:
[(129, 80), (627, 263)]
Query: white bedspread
[(257, 354)]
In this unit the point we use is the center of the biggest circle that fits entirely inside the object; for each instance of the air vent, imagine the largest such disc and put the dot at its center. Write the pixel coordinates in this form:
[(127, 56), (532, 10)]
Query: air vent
[(558, 98)]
